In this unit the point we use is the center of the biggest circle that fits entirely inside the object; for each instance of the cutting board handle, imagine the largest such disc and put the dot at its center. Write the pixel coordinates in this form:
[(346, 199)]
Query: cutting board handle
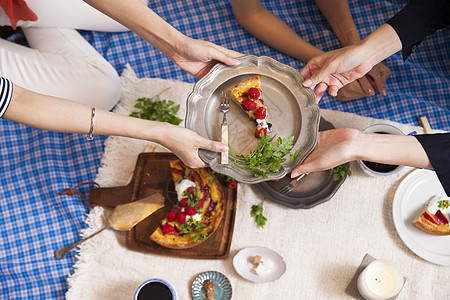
[(111, 196)]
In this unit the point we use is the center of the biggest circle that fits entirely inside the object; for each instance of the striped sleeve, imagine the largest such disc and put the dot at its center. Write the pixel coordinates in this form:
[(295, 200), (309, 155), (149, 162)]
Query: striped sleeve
[(6, 91)]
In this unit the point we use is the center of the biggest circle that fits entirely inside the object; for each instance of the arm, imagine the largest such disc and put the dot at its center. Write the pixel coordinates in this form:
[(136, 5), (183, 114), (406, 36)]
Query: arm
[(418, 19), (56, 114), (338, 15), (270, 29), (194, 56), (338, 146)]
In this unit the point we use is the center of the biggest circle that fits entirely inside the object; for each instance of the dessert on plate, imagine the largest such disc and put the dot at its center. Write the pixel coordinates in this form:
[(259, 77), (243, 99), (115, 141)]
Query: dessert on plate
[(209, 287), (198, 212), (248, 95), (433, 219), (261, 266)]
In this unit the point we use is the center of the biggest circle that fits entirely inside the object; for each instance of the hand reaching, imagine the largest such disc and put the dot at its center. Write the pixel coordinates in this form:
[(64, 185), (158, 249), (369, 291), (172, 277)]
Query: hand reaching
[(334, 147), (185, 143), (334, 69), (197, 57)]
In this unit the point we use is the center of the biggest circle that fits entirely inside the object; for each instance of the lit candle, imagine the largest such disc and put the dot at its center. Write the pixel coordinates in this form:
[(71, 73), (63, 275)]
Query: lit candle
[(380, 280)]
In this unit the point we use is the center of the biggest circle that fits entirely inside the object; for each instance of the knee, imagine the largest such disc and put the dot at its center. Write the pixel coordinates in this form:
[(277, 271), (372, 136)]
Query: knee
[(103, 89)]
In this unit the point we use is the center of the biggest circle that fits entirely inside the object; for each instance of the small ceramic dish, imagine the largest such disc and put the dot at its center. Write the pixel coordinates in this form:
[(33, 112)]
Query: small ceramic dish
[(274, 265)]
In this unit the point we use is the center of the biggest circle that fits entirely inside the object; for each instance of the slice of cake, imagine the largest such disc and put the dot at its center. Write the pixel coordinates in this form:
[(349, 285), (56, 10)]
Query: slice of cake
[(433, 219), (248, 95)]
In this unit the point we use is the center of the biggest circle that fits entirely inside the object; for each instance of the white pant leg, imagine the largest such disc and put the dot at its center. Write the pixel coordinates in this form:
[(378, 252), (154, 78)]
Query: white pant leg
[(61, 63), (66, 14)]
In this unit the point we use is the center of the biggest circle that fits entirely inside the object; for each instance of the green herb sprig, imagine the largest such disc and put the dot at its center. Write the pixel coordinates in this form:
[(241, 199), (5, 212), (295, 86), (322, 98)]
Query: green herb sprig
[(157, 109), (257, 213), (340, 172), (443, 204), (192, 228), (267, 157)]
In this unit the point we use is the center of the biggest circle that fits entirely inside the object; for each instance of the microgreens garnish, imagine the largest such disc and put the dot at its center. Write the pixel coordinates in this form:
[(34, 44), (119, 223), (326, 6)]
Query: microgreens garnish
[(443, 204), (267, 157), (193, 227)]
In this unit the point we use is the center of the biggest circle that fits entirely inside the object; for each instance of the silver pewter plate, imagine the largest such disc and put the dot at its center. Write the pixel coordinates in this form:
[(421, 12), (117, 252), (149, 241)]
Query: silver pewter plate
[(292, 110)]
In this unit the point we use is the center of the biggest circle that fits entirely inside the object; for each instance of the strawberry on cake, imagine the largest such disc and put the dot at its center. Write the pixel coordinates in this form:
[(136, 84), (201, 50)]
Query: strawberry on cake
[(434, 218), (248, 95)]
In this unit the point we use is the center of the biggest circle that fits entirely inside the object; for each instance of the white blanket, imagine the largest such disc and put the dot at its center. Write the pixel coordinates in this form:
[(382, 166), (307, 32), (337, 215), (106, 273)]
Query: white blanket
[(322, 246)]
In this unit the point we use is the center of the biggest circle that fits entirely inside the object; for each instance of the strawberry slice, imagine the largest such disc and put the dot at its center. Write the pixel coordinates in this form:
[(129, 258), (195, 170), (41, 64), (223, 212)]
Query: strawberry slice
[(441, 217)]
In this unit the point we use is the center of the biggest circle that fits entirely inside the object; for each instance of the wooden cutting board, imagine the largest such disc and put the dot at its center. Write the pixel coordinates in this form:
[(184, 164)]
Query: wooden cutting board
[(152, 174)]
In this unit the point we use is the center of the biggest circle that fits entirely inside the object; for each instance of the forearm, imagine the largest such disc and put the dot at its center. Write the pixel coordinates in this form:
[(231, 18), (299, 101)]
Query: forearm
[(56, 114), (380, 44), (391, 149), (338, 15), (271, 30), (136, 16)]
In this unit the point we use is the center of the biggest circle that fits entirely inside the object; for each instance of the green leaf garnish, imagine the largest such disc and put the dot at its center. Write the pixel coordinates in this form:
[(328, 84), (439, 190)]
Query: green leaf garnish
[(267, 157), (340, 172), (443, 204), (157, 109), (257, 213)]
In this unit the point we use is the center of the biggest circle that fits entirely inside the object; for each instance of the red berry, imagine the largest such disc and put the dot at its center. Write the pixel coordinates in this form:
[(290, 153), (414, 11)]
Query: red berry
[(232, 184), (171, 216), (258, 132), (191, 190), (181, 217), (261, 113), (167, 229), (183, 202), (250, 104), (190, 210), (200, 204), (254, 93)]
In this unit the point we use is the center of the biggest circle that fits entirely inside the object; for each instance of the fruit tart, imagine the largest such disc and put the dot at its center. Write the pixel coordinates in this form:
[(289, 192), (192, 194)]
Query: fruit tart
[(433, 219), (248, 95), (198, 212)]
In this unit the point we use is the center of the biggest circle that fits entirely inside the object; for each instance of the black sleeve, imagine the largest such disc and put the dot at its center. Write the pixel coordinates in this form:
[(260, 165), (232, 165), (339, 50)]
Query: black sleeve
[(418, 19), (437, 147), (6, 90)]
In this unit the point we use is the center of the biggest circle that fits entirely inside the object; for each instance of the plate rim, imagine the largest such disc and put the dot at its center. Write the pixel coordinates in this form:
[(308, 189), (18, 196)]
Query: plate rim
[(310, 109), (403, 187), (256, 248), (209, 273)]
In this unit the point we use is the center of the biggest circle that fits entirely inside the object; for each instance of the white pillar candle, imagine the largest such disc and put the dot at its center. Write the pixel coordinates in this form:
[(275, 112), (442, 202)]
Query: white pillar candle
[(380, 280)]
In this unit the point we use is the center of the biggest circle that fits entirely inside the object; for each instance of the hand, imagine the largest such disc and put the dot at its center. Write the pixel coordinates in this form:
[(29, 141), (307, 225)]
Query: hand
[(355, 90), (334, 147), (334, 69), (197, 57), (185, 143), (378, 76)]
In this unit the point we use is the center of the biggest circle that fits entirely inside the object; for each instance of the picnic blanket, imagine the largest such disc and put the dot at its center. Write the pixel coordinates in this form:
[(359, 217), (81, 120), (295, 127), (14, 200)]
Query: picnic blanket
[(36, 164)]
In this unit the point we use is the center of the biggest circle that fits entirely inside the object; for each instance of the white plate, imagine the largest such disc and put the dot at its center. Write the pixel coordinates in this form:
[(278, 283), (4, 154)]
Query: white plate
[(244, 267), (409, 200)]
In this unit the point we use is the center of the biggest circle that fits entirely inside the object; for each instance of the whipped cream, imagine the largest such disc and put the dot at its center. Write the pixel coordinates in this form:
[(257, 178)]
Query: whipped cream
[(262, 123), (433, 205), (182, 186), (264, 267), (197, 217)]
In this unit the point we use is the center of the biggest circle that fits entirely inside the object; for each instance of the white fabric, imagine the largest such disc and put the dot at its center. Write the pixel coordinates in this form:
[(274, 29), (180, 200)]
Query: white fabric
[(75, 14), (60, 62), (322, 246)]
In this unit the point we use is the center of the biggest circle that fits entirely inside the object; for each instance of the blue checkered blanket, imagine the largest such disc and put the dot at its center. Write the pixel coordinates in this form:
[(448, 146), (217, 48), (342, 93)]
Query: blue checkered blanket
[(36, 165)]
